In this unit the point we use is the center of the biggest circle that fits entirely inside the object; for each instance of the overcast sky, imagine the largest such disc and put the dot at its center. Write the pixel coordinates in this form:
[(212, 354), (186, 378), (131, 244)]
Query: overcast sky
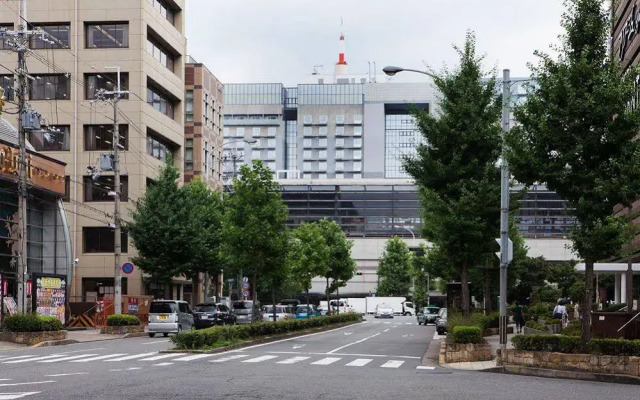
[(282, 40)]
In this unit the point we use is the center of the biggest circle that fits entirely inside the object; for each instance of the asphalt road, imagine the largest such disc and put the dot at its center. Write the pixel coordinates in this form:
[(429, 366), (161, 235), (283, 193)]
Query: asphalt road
[(378, 359)]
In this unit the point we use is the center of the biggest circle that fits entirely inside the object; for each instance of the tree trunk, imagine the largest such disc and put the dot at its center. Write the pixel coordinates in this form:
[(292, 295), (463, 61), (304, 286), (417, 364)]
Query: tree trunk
[(255, 285), (586, 303), (629, 286), (464, 278), (328, 300), (338, 300), (487, 292), (308, 311), (195, 291), (273, 302)]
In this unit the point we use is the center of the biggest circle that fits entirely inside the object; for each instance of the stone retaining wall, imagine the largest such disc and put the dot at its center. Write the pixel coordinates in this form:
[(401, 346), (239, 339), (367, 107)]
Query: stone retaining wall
[(31, 338), (121, 330), (623, 365), (458, 352)]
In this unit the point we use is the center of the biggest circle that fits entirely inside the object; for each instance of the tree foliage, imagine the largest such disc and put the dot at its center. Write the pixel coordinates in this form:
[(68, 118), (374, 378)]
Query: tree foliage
[(341, 267), (395, 269), (577, 134), (309, 255), (455, 168), (254, 232)]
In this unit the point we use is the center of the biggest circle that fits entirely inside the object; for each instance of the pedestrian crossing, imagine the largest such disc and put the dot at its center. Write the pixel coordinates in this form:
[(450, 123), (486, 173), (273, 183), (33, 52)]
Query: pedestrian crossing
[(317, 360)]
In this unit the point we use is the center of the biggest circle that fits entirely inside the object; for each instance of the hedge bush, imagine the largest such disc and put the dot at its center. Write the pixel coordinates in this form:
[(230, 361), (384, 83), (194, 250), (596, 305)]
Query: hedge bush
[(475, 319), (467, 334), (213, 336), (122, 320), (31, 323), (534, 325), (571, 345), (614, 307), (574, 328)]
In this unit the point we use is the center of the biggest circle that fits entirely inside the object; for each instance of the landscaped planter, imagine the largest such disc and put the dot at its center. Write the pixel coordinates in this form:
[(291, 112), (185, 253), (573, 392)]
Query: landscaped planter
[(624, 365), (496, 331), (459, 352), (31, 338), (121, 330), (530, 331)]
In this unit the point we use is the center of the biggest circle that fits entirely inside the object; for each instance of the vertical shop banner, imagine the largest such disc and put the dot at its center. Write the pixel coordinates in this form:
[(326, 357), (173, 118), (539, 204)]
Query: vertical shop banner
[(51, 295), (132, 307)]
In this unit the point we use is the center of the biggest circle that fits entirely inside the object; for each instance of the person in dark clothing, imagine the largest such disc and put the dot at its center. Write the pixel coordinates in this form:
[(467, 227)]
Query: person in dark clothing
[(518, 317)]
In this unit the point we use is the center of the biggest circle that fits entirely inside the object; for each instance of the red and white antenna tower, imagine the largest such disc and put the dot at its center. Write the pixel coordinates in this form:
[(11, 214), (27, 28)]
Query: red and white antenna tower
[(341, 65)]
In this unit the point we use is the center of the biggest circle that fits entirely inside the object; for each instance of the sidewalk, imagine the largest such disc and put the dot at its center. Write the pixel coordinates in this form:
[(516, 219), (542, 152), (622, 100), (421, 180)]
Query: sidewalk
[(494, 342), (75, 336)]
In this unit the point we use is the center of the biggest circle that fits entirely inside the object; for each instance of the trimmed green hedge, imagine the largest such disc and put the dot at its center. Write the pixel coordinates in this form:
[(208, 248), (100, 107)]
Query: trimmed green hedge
[(31, 323), (467, 334), (573, 329), (212, 337), (122, 320), (534, 325), (613, 307), (475, 319), (571, 344)]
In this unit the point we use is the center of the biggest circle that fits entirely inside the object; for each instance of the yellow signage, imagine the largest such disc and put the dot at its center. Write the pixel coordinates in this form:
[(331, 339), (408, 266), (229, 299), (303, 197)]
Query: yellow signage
[(41, 171), (51, 283)]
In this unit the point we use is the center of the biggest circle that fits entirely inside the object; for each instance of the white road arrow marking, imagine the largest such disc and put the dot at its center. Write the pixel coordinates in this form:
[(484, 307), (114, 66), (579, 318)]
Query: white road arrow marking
[(348, 333), (299, 346)]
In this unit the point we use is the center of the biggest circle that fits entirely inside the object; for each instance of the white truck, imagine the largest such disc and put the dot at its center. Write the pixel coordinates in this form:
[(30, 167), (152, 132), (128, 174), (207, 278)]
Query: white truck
[(367, 305)]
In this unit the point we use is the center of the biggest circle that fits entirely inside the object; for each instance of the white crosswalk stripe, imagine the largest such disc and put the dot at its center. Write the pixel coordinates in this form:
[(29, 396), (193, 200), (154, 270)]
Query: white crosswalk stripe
[(194, 357), (133, 357), (392, 364), (23, 360), (161, 356), (237, 356), (68, 358), (260, 359), (293, 360), (360, 362), (15, 396), (162, 364), (326, 361), (15, 358), (100, 357)]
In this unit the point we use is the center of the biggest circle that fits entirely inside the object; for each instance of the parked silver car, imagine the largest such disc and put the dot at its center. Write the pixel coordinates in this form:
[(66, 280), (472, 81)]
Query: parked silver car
[(246, 311), (169, 316)]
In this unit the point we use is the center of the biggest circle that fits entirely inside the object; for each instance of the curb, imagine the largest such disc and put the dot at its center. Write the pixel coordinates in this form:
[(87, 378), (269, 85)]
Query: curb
[(262, 340), (50, 343), (64, 342), (560, 374)]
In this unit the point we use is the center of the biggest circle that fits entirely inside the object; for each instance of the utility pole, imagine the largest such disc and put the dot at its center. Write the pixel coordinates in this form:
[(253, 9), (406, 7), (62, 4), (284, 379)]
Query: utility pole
[(504, 210), (117, 251)]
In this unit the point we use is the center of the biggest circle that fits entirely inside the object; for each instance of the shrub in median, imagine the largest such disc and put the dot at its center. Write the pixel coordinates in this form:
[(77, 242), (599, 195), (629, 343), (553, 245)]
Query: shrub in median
[(31, 323), (573, 329), (216, 335), (534, 325), (615, 347), (122, 320), (571, 344), (467, 334)]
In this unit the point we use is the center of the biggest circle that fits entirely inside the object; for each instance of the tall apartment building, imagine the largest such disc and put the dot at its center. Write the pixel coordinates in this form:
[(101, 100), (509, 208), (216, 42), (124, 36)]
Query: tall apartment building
[(203, 125), (145, 38)]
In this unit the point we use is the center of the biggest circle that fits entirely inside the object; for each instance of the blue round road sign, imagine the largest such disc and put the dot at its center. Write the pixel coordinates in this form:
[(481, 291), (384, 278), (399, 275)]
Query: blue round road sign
[(127, 268)]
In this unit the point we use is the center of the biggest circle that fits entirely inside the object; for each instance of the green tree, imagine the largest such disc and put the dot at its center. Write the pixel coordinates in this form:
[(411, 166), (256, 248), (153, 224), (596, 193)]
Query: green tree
[(455, 167), (394, 269), (254, 233), (419, 271), (341, 267), (309, 255), (577, 134)]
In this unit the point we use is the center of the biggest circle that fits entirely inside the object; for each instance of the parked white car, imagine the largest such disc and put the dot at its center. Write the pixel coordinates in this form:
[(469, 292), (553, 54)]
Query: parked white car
[(282, 313)]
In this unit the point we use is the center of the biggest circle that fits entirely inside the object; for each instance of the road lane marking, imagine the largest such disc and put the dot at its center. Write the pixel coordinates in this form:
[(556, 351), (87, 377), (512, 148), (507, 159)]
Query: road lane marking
[(14, 396), (15, 358), (345, 354), (409, 323), (386, 330), (423, 367), (237, 356), (260, 359), (69, 374), (68, 358), (132, 357), (132, 368), (392, 364), (348, 333), (326, 361), (32, 359), (162, 364), (293, 338), (387, 322), (351, 344), (298, 346), (293, 360), (360, 362), (156, 342), (194, 357), (100, 357), (25, 383), (160, 357)]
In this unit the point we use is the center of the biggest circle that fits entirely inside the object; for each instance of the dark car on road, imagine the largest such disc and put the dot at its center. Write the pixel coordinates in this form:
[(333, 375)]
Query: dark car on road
[(206, 315), (441, 322), (428, 315)]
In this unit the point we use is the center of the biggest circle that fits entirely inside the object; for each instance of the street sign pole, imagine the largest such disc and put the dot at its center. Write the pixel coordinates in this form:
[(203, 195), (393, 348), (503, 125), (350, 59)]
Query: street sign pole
[(504, 211)]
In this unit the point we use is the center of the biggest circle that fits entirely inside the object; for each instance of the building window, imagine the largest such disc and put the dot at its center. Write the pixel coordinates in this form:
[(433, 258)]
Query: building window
[(100, 137), (307, 166), (55, 138), (323, 130), (340, 142), (271, 155), (56, 36), (402, 137), (357, 119), (255, 155), (98, 189), (322, 166), (108, 82), (188, 108), (357, 166), (322, 142), (339, 119), (357, 131), (67, 189), (256, 131), (340, 166), (322, 154), (226, 132), (307, 154), (307, 131), (49, 87), (271, 131), (166, 11), (307, 142), (160, 101), (101, 240), (339, 130), (160, 53), (308, 119), (291, 145), (357, 142), (104, 35), (322, 119), (240, 132), (7, 83), (357, 154), (339, 154), (8, 27), (188, 155), (157, 148)]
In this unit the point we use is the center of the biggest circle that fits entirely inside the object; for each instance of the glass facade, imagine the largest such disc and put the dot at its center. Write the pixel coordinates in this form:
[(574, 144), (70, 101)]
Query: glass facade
[(543, 213), (254, 94), (49, 87), (57, 36), (107, 35), (291, 157), (108, 82), (401, 138), (330, 94), (55, 138), (8, 27)]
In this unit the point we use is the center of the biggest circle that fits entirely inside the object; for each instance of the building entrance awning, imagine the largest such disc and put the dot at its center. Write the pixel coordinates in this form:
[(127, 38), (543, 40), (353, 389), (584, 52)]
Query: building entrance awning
[(610, 268)]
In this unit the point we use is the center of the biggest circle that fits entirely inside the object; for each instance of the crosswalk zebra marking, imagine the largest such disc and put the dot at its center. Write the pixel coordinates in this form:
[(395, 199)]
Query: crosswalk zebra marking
[(15, 396), (68, 358), (235, 357), (160, 357), (32, 359), (360, 362), (164, 364), (392, 364), (326, 361), (260, 359), (133, 357), (194, 357), (293, 360), (99, 357)]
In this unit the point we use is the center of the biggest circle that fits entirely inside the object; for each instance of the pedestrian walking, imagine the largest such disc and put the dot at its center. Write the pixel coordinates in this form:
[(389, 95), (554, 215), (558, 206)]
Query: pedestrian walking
[(518, 317), (560, 312)]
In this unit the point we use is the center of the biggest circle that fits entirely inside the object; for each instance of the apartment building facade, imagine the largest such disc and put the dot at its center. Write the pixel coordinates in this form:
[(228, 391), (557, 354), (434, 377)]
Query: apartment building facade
[(146, 40)]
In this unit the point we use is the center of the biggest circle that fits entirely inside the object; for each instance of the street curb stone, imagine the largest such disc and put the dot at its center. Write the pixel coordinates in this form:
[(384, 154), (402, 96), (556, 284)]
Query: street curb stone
[(266, 339), (560, 374)]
